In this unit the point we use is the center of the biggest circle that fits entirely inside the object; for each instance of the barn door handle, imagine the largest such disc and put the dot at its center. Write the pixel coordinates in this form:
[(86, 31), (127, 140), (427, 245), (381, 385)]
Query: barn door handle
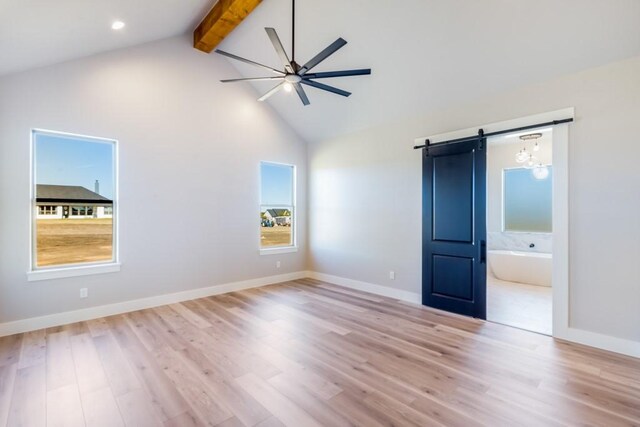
[(483, 251)]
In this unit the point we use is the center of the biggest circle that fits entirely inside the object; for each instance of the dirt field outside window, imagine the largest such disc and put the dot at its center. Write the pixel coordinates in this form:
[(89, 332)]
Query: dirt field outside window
[(73, 241), (275, 236)]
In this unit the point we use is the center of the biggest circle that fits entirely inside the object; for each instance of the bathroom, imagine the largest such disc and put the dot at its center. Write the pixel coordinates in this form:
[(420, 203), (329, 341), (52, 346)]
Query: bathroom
[(519, 230)]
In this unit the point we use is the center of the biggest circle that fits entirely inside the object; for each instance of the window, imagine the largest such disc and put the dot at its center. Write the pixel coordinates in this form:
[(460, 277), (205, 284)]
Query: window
[(74, 182), (527, 201), (277, 206), (47, 210), (81, 211)]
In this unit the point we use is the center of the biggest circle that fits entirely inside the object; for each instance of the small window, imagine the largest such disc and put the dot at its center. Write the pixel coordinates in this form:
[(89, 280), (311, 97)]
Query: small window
[(277, 206), (82, 211), (47, 210), (74, 187), (527, 201)]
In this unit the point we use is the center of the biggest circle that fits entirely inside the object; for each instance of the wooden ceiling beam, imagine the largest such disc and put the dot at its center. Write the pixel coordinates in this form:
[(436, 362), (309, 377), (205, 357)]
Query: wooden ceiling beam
[(223, 18)]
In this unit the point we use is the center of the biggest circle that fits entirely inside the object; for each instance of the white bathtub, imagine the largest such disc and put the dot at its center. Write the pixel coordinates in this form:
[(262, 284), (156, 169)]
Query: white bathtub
[(523, 267)]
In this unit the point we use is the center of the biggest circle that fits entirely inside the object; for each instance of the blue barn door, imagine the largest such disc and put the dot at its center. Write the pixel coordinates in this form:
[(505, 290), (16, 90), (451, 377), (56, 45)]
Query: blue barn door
[(454, 227)]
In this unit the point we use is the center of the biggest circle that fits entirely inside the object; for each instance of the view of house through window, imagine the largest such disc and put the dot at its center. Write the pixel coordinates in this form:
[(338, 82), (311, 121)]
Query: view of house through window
[(277, 205), (74, 183)]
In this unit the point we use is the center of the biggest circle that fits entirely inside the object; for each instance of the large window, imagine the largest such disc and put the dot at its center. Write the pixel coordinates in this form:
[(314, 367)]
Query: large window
[(73, 197), (527, 201), (277, 206)]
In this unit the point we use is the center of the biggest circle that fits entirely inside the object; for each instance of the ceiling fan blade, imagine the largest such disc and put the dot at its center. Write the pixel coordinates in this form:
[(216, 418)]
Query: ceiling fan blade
[(277, 44), (251, 79), (248, 61), (326, 87), (345, 73), (271, 92), (328, 51), (301, 94)]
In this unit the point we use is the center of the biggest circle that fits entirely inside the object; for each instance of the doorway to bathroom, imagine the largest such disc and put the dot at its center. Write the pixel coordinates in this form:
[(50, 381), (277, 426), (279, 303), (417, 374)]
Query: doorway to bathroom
[(453, 202), (520, 230)]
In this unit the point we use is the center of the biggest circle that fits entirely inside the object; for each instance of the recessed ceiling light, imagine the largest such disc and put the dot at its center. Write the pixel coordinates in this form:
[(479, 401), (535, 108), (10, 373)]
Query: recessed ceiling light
[(117, 25)]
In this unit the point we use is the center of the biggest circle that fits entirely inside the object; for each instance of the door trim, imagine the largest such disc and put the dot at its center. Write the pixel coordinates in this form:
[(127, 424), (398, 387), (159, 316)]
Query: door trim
[(560, 276)]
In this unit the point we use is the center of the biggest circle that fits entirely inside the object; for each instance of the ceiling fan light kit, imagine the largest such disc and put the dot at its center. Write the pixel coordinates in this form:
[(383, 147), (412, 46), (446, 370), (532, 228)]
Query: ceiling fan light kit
[(294, 75)]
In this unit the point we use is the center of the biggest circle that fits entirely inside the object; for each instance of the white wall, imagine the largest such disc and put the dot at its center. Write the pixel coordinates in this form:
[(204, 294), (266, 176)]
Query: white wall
[(190, 149), (365, 193)]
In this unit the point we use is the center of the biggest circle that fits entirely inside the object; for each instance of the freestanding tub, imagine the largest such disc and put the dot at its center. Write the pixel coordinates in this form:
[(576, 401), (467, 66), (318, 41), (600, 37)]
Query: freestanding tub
[(531, 268)]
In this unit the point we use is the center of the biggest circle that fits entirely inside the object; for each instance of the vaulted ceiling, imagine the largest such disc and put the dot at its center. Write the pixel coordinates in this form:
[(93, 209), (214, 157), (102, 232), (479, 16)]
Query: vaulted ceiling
[(34, 33), (425, 54), (430, 54)]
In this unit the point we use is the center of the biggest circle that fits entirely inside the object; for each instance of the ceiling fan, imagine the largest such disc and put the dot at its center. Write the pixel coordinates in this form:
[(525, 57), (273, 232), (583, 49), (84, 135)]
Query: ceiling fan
[(295, 75)]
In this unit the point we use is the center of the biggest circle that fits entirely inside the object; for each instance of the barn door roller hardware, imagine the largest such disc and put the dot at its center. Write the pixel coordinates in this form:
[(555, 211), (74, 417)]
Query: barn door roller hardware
[(481, 134)]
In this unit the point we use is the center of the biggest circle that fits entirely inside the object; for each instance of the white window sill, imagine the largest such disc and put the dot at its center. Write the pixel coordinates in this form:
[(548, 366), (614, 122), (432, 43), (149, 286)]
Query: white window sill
[(62, 272), (275, 251)]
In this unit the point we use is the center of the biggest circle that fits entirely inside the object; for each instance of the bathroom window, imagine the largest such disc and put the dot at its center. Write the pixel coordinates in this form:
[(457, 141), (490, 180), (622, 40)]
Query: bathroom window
[(526, 201)]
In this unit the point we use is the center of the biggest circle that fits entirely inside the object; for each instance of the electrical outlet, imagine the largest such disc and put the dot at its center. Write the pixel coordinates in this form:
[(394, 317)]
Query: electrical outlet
[(84, 292), (392, 275), (277, 264)]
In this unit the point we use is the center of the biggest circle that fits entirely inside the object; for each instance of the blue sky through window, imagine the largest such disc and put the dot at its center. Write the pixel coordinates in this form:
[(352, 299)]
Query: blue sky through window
[(276, 184), (64, 160)]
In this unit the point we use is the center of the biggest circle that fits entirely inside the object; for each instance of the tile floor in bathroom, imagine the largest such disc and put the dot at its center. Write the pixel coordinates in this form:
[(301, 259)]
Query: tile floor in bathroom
[(519, 305)]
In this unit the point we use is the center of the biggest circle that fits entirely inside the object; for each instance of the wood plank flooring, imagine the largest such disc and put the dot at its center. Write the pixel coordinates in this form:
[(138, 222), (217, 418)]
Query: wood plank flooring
[(306, 353)]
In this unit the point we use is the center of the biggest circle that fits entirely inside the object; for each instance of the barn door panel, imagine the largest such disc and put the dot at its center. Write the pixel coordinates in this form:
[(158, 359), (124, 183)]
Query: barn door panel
[(454, 227)]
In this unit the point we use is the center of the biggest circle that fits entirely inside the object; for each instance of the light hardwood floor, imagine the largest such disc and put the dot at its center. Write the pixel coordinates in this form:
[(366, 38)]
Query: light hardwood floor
[(307, 353)]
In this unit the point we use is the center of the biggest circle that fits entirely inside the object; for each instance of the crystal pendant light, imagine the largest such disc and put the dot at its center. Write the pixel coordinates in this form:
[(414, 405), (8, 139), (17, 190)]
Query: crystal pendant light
[(540, 171), (531, 162), (523, 156)]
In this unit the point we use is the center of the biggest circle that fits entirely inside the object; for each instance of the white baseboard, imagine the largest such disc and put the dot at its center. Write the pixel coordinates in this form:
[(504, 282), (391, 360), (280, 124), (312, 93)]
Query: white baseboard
[(601, 341), (384, 291), (58, 319), (591, 339)]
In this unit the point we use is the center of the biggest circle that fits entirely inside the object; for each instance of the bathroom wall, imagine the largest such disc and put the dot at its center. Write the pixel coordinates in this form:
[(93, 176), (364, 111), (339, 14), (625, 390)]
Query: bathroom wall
[(501, 155)]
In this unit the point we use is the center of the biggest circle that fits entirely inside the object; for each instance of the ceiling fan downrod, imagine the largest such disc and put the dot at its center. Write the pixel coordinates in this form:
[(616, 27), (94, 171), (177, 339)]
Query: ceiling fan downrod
[(293, 32)]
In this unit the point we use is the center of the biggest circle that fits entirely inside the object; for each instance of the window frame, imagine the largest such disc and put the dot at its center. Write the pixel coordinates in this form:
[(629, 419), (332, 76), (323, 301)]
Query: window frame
[(35, 273), (293, 247), (504, 205)]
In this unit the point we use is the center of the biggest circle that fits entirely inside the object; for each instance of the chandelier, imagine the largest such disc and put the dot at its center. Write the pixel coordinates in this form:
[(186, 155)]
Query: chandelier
[(527, 158)]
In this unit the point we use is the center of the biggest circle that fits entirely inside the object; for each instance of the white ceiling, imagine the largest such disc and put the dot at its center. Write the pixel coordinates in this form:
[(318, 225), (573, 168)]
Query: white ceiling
[(34, 33), (430, 54), (425, 54)]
